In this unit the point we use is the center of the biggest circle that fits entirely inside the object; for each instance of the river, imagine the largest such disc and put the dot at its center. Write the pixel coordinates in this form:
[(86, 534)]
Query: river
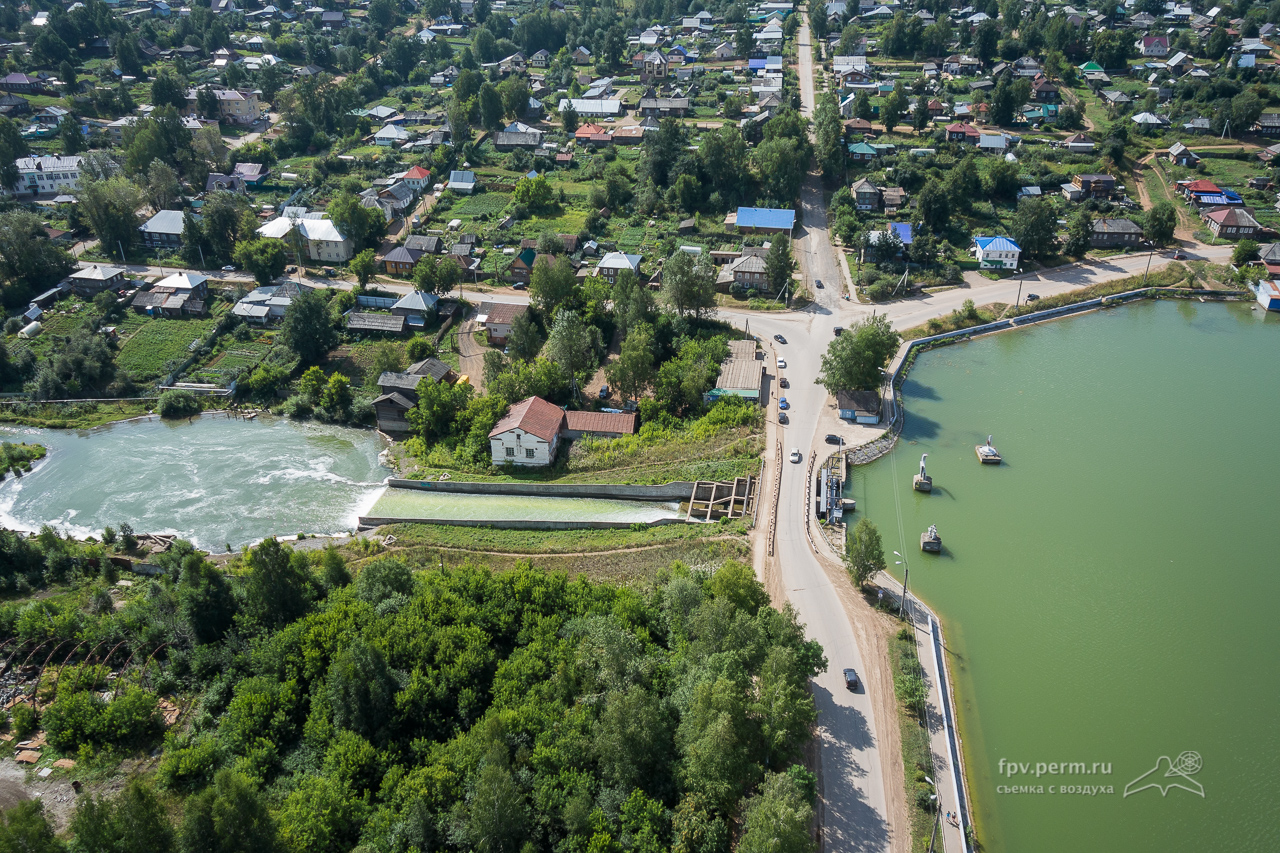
[(1109, 592), (216, 481)]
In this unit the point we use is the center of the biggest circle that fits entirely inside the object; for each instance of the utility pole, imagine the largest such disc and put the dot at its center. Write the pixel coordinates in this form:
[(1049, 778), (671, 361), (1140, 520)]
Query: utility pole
[(1148, 269), (1019, 299)]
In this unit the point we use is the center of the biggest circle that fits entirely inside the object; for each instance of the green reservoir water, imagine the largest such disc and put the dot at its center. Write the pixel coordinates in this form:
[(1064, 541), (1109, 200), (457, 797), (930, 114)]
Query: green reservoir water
[(1110, 592), (412, 503), (215, 481)]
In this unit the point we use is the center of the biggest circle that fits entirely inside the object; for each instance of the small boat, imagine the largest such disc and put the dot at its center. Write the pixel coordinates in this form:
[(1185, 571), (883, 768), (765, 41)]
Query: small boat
[(922, 482), (987, 454), (930, 541)]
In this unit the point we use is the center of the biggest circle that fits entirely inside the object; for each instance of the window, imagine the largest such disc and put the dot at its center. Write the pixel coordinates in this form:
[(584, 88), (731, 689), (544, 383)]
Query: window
[(511, 451), (528, 453)]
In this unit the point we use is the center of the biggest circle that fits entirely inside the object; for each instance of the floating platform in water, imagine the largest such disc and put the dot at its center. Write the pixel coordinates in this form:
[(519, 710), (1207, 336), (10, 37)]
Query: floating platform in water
[(987, 454), (930, 541)]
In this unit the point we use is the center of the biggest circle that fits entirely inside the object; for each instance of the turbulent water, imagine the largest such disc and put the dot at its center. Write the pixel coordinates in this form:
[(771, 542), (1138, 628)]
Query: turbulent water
[(215, 481), (1109, 592), (410, 503)]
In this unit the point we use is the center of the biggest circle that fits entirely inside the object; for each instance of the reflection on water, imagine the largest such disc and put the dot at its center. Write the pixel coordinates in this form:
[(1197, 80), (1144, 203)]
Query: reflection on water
[(412, 503), (213, 480)]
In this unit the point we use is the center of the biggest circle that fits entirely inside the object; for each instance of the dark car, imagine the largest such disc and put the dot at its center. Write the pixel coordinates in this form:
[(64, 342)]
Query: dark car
[(851, 679), (832, 438), (783, 419), (838, 331), (604, 392), (818, 283), (1179, 256), (784, 383), (1033, 297), (780, 339), (519, 285)]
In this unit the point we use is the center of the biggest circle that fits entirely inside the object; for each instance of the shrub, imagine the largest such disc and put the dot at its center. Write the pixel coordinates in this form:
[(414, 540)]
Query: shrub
[(178, 404), (24, 720)]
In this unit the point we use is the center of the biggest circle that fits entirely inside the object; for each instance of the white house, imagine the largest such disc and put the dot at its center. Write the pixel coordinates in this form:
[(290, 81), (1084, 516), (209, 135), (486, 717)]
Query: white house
[(462, 182), (1152, 46), (391, 135), (321, 239), (996, 252), (48, 174), (528, 434)]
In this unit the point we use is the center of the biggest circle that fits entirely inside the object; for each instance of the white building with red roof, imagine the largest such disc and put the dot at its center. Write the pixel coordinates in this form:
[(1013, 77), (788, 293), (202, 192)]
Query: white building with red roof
[(528, 434)]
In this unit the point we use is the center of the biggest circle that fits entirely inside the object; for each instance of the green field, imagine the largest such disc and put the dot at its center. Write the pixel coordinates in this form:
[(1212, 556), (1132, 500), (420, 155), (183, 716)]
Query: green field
[(485, 204), (160, 341)]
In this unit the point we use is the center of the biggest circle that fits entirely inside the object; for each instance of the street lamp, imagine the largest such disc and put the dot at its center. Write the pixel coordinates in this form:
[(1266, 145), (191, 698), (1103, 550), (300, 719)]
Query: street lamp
[(1019, 299), (906, 571)]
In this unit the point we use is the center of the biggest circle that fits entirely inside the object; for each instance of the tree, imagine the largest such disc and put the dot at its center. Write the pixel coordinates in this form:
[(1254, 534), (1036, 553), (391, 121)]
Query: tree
[(363, 226), (49, 49), (307, 328), (364, 265), (1160, 224), (110, 208), (688, 285), (230, 816), (279, 587), (1111, 48), (829, 136), (920, 117), (985, 39), (569, 119), (933, 208), (1004, 103), (1003, 179), (362, 688), (633, 302), (853, 360), (206, 103), (534, 193), (776, 820), (12, 147), (134, 819), (29, 260), (552, 285), (781, 164), (162, 185), (70, 136), (743, 42), (497, 814), (864, 552), (779, 264), (572, 344), (891, 110), (1035, 228), (1079, 233), (862, 106), (1217, 44), (1245, 251), (263, 257), (491, 107), (177, 403), (336, 398), (167, 89), (633, 372), (525, 340), (311, 383)]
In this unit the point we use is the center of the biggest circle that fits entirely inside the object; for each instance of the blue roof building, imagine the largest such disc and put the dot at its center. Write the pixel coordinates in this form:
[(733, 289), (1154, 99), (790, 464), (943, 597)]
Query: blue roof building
[(996, 252), (764, 220)]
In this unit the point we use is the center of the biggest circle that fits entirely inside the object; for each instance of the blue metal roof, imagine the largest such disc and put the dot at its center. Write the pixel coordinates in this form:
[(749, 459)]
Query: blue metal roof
[(996, 244), (903, 230), (765, 217), (755, 64)]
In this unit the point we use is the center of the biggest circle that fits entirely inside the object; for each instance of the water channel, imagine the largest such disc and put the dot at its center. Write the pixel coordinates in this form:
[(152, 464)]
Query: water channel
[(1109, 592), (410, 503)]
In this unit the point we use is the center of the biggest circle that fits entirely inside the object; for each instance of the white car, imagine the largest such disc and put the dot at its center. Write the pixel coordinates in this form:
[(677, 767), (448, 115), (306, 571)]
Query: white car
[(795, 455), (782, 364)]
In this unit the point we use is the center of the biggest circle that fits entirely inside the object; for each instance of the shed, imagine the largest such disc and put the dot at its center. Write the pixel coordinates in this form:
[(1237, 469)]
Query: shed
[(861, 407)]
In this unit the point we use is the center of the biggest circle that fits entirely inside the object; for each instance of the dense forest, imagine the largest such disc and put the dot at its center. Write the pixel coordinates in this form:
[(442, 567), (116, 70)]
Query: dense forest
[(379, 706)]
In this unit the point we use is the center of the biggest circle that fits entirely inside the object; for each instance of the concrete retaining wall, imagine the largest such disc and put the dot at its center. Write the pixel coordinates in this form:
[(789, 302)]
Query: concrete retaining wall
[(677, 491), (367, 522)]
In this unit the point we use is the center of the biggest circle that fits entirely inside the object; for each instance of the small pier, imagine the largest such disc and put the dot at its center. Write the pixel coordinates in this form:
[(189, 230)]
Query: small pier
[(712, 501), (987, 454), (922, 482), (930, 541)]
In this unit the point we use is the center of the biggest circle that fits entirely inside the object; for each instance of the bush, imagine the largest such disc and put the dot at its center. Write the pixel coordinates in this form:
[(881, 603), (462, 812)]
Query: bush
[(76, 719), (24, 721), (178, 404)]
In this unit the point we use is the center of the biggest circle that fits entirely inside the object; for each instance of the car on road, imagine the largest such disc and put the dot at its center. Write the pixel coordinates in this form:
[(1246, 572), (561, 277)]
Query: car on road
[(290, 269), (783, 404), (1033, 297), (783, 419), (817, 282), (795, 455), (1179, 256), (838, 331), (783, 383), (780, 339), (229, 268), (519, 285), (851, 679), (832, 438), (782, 364)]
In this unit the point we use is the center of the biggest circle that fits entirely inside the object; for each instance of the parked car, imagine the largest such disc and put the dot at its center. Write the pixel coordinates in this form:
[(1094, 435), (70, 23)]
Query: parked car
[(780, 339), (519, 285), (1033, 297), (817, 282), (782, 364), (290, 269), (783, 419), (832, 438), (604, 391), (851, 679), (782, 382), (838, 331), (795, 455), (229, 268), (1179, 256), (783, 404)]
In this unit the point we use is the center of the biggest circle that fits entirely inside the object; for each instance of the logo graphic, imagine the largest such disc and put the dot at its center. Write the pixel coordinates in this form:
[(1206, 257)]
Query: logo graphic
[(1167, 774)]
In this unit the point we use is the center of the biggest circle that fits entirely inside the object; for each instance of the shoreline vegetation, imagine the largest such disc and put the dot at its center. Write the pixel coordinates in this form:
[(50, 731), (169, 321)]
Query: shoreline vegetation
[(17, 459)]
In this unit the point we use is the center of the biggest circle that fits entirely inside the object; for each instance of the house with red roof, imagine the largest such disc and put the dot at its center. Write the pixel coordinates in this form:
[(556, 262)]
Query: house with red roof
[(1153, 46), (528, 434), (418, 178), (963, 132), (1232, 223), (592, 134)]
